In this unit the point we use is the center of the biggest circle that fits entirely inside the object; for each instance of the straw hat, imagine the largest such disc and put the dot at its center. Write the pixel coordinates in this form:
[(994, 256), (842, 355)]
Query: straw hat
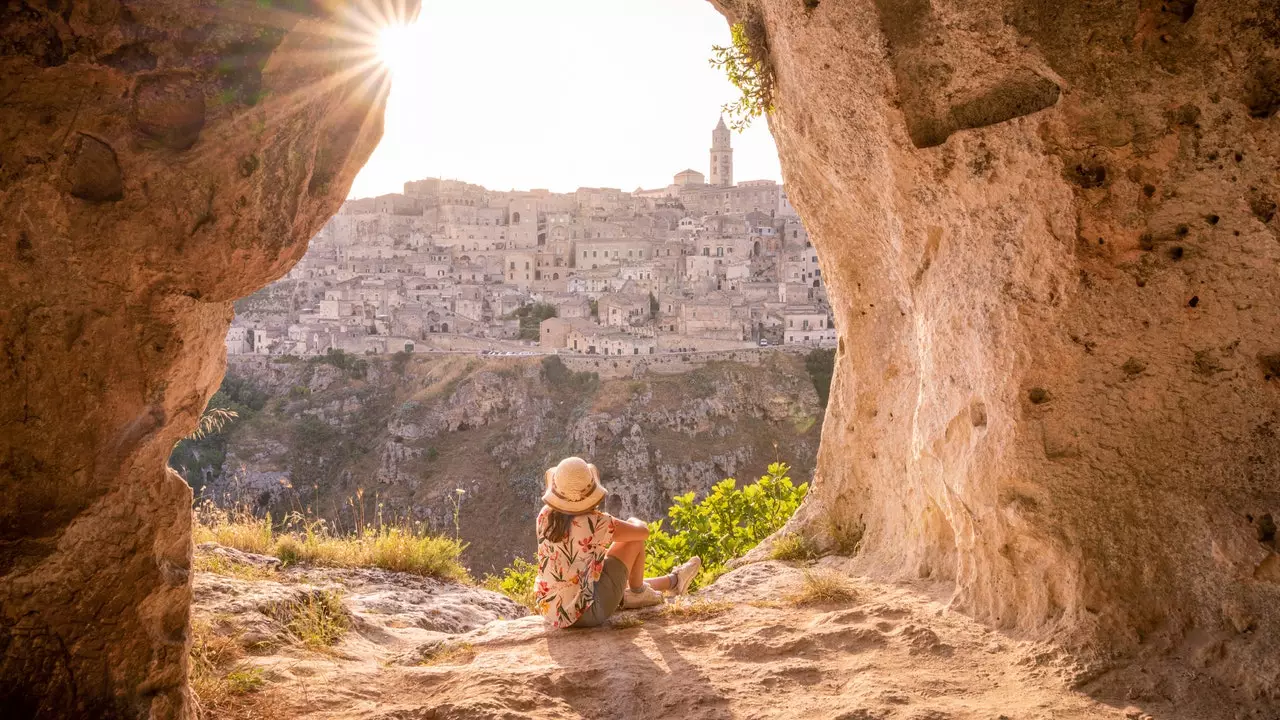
[(573, 486)]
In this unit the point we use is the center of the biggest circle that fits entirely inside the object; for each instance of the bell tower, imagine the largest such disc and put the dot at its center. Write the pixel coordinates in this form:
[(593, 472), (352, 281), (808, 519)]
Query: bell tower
[(721, 156)]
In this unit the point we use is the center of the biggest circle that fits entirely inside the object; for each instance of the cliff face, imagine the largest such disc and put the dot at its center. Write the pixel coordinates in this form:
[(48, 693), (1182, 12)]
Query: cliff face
[(410, 432), (1050, 235), (157, 161)]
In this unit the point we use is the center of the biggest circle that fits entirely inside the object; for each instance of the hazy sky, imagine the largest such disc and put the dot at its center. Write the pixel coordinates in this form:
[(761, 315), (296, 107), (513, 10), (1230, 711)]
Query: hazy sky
[(558, 94)]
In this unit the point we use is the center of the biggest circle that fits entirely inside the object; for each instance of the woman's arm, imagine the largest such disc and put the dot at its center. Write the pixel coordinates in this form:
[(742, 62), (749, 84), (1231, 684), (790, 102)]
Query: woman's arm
[(630, 530)]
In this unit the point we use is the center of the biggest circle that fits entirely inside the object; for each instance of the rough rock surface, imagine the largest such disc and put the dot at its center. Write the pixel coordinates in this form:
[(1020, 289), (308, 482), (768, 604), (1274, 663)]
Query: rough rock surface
[(1050, 236), (394, 611), (410, 432), (157, 160), (741, 649)]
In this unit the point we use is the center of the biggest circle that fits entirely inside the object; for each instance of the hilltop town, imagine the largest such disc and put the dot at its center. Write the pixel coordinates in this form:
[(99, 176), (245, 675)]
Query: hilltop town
[(699, 265)]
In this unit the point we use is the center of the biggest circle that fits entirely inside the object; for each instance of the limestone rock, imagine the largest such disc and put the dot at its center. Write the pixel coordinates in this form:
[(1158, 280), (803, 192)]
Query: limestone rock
[(1109, 247), (157, 161)]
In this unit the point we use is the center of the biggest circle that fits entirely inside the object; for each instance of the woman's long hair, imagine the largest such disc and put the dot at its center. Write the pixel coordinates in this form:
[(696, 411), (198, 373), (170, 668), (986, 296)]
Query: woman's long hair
[(557, 528)]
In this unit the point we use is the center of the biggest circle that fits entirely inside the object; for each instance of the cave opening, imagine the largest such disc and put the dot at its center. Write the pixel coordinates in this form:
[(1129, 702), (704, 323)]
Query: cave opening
[(954, 168)]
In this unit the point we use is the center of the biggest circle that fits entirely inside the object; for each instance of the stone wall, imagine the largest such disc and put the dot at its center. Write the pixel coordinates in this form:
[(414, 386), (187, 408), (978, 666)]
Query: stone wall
[(157, 161), (1050, 240)]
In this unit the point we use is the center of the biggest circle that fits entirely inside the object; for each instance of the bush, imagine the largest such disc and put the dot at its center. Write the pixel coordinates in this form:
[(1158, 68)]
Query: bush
[(557, 374), (400, 361), (353, 366), (724, 525), (746, 62), (531, 317), (516, 582)]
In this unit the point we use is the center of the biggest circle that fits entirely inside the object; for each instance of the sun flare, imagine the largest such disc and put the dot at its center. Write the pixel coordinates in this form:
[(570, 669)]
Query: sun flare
[(397, 46)]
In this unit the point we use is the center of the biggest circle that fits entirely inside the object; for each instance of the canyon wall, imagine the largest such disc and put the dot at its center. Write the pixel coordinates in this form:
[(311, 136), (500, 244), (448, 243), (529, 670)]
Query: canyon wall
[(157, 161), (1049, 231), (401, 434)]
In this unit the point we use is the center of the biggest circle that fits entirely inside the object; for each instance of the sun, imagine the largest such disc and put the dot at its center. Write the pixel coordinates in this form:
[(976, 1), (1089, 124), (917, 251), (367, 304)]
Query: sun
[(398, 46)]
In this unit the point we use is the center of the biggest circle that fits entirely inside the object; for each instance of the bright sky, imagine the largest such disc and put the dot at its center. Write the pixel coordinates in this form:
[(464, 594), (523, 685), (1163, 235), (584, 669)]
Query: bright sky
[(558, 94)]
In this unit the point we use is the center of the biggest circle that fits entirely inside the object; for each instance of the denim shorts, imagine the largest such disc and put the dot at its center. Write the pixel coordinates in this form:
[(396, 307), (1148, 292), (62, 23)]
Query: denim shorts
[(607, 597)]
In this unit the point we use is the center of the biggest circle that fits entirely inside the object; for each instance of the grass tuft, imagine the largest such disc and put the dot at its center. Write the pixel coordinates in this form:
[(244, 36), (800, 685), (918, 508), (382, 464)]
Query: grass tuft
[(625, 621), (823, 587), (227, 567), (696, 610), (245, 680), (793, 547), (449, 654), (318, 620)]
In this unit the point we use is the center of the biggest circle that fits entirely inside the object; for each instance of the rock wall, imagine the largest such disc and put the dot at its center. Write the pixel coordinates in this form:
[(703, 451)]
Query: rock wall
[(157, 161), (1049, 231)]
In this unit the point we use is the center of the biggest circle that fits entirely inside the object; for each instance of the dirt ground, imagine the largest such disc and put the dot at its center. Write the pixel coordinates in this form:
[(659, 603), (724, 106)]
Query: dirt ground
[(744, 648)]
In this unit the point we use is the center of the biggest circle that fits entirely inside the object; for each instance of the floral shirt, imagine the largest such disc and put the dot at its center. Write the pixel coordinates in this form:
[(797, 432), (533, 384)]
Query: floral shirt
[(568, 570)]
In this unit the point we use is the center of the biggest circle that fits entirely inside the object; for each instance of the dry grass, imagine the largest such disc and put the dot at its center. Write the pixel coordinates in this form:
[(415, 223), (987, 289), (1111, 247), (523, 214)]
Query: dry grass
[(823, 587), (695, 610), (318, 620), (625, 622), (221, 686), (793, 548), (390, 548), (242, 533), (401, 549), (449, 654), (226, 567)]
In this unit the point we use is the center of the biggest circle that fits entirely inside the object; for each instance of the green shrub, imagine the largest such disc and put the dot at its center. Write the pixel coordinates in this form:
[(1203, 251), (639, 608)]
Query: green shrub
[(353, 366), (400, 361), (531, 317), (724, 525), (746, 62), (516, 582), (557, 374)]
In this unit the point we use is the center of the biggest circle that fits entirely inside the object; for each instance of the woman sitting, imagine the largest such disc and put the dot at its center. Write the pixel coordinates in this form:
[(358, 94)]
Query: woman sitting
[(589, 562)]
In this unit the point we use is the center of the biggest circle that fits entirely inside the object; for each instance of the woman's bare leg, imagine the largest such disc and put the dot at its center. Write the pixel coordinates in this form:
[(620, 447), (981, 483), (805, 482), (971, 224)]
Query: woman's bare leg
[(632, 555)]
